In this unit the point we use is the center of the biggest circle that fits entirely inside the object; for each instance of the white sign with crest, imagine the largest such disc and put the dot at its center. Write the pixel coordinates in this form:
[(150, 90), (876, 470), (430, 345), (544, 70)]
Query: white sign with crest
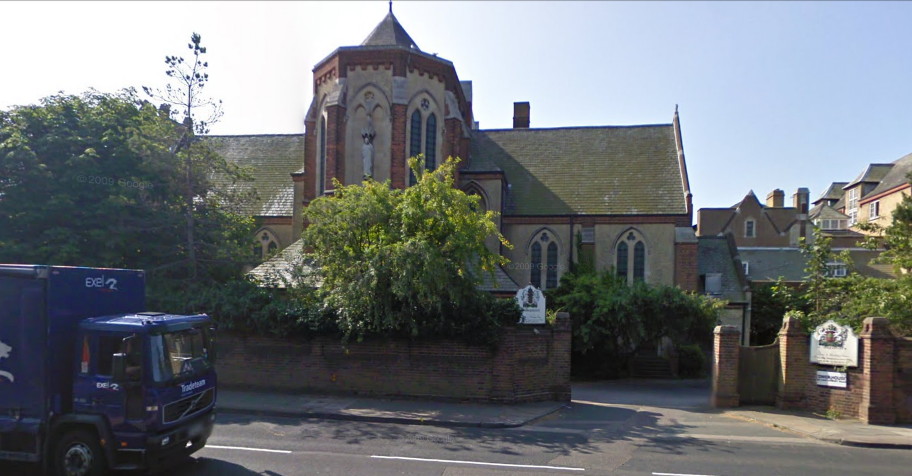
[(532, 302), (832, 344)]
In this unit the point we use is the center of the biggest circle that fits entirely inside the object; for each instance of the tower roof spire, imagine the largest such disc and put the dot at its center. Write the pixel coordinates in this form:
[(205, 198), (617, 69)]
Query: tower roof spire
[(390, 33)]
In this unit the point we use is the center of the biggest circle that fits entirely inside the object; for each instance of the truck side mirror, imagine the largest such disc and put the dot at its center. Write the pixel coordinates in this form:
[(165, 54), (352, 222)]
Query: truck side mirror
[(119, 367)]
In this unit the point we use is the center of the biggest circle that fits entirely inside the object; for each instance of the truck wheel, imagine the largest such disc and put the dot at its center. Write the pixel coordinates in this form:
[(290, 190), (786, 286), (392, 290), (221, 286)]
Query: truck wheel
[(79, 454)]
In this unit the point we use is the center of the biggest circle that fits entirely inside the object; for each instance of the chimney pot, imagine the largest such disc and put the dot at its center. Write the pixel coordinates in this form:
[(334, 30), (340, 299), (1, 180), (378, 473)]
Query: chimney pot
[(521, 115)]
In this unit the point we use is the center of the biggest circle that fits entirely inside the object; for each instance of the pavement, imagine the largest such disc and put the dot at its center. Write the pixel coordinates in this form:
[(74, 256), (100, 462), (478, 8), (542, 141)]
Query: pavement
[(686, 394)]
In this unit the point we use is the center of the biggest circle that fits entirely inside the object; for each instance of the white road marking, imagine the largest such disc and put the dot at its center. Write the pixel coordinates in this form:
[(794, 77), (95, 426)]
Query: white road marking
[(246, 449), (758, 439), (679, 474), (480, 463)]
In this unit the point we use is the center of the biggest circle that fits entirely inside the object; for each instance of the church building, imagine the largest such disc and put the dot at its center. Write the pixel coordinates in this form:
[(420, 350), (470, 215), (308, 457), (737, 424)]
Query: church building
[(611, 197)]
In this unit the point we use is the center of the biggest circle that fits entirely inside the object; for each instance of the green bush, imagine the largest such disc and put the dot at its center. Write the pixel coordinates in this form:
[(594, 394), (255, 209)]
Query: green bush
[(691, 361), (612, 320), (242, 306)]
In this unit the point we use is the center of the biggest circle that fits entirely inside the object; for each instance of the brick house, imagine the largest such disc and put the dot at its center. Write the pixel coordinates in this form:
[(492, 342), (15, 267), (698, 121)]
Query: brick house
[(615, 196)]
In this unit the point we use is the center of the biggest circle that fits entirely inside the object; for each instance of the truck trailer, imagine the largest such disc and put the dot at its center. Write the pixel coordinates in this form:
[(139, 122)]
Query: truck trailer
[(90, 381)]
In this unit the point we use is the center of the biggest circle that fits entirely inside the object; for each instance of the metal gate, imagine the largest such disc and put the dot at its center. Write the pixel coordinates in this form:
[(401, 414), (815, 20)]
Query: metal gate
[(758, 374)]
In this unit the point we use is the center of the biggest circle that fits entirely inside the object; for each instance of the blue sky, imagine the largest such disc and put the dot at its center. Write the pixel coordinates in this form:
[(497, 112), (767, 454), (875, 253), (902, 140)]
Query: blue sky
[(771, 94)]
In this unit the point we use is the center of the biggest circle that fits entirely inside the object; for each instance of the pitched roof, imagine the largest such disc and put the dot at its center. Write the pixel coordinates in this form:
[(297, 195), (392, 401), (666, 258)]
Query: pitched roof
[(271, 159), (898, 175), (389, 33), (626, 170), (872, 174), (834, 192), (717, 254), (502, 282), (768, 264), (288, 267)]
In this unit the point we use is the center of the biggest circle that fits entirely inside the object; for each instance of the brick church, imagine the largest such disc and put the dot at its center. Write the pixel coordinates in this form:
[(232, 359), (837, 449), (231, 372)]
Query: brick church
[(613, 197)]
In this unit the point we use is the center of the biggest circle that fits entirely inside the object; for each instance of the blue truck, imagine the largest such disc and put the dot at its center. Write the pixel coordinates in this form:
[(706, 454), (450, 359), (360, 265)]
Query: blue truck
[(90, 382)]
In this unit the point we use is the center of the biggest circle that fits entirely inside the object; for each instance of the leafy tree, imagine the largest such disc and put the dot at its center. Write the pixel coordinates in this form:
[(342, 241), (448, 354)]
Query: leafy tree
[(612, 320), (210, 198), (769, 303), (407, 262), (819, 287), (83, 182)]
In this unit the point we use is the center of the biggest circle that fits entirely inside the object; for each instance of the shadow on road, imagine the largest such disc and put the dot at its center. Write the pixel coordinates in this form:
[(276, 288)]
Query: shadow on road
[(208, 466)]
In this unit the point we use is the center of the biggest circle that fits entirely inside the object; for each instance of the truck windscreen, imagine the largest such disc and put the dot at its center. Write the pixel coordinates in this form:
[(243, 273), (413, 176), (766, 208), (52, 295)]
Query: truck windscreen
[(178, 355)]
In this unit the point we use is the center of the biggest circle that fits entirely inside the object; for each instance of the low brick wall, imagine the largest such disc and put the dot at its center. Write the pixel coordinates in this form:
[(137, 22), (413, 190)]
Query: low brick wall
[(878, 391), (532, 363), (902, 395)]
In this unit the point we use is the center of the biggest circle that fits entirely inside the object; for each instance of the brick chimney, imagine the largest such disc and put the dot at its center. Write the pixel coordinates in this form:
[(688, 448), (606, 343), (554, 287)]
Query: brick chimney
[(521, 115), (800, 199), (775, 199)]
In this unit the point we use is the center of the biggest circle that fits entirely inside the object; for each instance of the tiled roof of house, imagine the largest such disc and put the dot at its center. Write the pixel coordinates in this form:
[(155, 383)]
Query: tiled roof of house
[(284, 269), (874, 173), (287, 266), (270, 159), (502, 282), (389, 32), (716, 254), (585, 170), (768, 264), (834, 192), (898, 175)]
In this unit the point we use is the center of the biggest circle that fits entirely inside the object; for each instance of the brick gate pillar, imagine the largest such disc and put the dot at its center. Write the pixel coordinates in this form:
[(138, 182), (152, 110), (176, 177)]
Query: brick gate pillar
[(726, 354), (794, 359), (877, 365)]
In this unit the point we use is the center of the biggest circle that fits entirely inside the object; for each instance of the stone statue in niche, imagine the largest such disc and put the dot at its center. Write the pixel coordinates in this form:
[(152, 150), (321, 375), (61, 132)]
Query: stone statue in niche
[(367, 149)]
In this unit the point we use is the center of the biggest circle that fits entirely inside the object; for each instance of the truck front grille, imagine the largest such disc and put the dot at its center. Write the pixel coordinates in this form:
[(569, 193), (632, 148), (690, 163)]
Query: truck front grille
[(187, 406)]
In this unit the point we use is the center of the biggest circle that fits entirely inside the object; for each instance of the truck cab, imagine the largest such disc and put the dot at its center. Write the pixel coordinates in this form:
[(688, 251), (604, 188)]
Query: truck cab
[(89, 381), (151, 377)]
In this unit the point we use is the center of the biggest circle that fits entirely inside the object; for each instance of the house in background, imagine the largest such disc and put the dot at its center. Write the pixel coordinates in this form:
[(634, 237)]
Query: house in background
[(874, 195), (616, 197), (722, 277)]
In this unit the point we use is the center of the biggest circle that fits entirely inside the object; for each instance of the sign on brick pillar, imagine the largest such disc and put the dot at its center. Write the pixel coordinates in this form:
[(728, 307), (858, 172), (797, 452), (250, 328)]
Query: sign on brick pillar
[(794, 355), (726, 353), (877, 363)]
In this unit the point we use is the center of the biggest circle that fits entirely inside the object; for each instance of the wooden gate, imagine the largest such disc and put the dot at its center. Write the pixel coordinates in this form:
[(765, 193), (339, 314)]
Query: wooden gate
[(758, 374)]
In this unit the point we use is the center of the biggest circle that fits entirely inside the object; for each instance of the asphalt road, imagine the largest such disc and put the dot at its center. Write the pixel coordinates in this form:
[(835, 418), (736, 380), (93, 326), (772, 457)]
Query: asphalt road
[(647, 430), (631, 430)]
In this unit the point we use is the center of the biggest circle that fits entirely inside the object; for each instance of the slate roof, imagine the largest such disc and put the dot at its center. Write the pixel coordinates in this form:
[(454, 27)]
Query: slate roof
[(874, 173), (502, 282), (898, 175), (270, 159), (627, 170), (280, 270), (389, 32), (768, 264), (716, 254), (834, 192)]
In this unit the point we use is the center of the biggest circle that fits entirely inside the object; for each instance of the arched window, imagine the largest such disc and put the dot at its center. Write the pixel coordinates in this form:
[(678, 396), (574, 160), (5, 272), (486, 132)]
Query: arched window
[(535, 276), (622, 260), (551, 272), (321, 182), (414, 142), (266, 244), (544, 269), (430, 143), (474, 189), (639, 261), (631, 267)]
